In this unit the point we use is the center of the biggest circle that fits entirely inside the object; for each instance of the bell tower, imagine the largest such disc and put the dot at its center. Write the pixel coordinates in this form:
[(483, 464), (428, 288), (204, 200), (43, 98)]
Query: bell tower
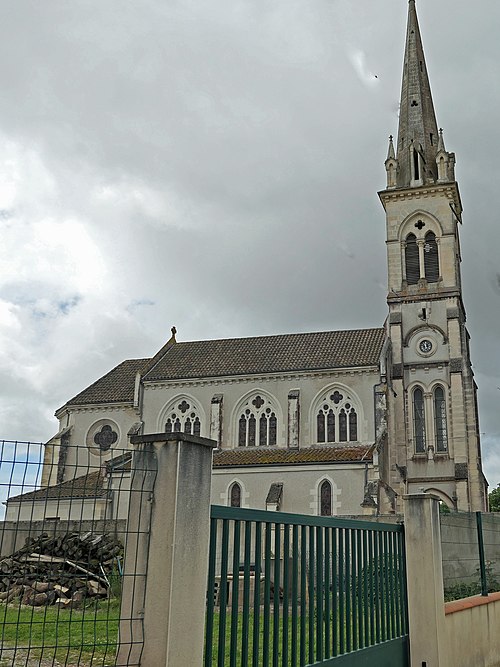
[(433, 434)]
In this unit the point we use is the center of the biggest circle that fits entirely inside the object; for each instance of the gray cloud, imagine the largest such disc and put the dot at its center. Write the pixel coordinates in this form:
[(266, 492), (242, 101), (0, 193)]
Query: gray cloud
[(219, 165)]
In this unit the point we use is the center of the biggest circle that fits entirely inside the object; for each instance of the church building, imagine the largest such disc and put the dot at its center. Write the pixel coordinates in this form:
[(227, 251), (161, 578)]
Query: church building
[(326, 423)]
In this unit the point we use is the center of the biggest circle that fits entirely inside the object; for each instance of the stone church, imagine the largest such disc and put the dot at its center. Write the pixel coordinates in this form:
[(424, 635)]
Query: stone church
[(327, 423)]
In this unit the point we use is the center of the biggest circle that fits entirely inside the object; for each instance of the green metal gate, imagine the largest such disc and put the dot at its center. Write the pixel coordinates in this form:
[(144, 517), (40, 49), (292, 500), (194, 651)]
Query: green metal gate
[(292, 590)]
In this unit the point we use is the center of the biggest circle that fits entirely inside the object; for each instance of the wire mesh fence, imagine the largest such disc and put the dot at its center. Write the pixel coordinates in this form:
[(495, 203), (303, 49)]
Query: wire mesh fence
[(63, 531), (471, 554)]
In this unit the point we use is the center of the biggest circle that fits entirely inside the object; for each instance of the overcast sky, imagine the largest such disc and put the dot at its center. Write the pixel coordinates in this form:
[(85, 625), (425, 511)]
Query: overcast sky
[(215, 165)]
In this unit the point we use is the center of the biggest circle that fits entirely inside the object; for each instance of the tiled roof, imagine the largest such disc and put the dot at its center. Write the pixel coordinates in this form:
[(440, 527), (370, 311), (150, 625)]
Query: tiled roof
[(86, 486), (269, 354), (117, 386), (266, 456)]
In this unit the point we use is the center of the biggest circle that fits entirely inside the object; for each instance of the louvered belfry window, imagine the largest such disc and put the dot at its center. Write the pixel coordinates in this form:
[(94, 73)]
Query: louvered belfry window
[(412, 260), (431, 258)]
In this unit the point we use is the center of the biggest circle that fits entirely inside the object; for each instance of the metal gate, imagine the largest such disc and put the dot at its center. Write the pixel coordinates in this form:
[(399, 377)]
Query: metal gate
[(293, 590)]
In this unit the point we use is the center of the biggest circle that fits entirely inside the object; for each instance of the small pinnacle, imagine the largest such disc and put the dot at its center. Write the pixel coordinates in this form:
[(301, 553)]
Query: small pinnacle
[(174, 331)]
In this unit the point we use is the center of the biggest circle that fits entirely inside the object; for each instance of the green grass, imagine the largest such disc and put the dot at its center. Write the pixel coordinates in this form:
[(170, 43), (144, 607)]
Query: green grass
[(81, 637)]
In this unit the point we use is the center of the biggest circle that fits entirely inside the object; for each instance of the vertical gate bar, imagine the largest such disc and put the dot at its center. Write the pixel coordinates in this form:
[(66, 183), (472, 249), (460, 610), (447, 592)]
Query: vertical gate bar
[(341, 593), (335, 593), (390, 592), (378, 567), (295, 593), (245, 630), (482, 562), (372, 567), (354, 589), (303, 593), (221, 650), (312, 595), (286, 585), (209, 627), (386, 585), (267, 594), (397, 596), (366, 603), (233, 645), (359, 571), (276, 593), (327, 569), (256, 595), (319, 593), (404, 592), (348, 610)]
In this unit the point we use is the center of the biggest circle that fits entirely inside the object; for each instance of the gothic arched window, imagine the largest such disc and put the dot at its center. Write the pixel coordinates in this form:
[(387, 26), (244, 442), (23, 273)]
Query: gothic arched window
[(258, 424), (419, 420), (431, 258), (235, 495), (412, 261), (336, 418), (325, 498), (440, 423), (183, 417)]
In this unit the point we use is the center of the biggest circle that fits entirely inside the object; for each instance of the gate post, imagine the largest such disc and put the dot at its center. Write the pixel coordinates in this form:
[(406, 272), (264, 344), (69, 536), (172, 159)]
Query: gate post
[(163, 614), (424, 571)]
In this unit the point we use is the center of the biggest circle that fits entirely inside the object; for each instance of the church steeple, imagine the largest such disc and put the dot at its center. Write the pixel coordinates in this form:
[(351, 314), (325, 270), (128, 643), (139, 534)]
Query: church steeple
[(418, 131)]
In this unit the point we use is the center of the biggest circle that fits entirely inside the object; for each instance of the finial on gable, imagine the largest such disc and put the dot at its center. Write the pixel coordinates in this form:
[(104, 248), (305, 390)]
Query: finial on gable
[(174, 331)]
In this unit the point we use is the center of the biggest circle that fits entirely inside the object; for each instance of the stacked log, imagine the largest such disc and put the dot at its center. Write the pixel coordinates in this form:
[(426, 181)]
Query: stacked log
[(61, 570)]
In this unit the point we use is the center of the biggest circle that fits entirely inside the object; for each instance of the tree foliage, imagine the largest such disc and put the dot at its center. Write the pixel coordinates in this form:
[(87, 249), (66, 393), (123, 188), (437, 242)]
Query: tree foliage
[(494, 497)]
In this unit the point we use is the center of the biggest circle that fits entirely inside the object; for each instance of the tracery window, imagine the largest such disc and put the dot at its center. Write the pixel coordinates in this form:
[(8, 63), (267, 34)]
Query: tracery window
[(183, 418), (257, 424), (325, 499), (419, 420), (412, 260), (235, 495), (440, 423), (431, 258), (336, 419)]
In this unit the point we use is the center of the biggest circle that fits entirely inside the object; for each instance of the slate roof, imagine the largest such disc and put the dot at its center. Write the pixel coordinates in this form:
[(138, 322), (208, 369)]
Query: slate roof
[(85, 486), (322, 350), (117, 386), (259, 456), (269, 354)]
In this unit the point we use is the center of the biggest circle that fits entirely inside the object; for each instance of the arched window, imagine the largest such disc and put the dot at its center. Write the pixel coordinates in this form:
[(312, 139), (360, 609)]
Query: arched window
[(336, 419), (183, 417), (431, 258), (440, 424), (258, 424), (325, 498), (235, 495), (412, 260), (419, 420)]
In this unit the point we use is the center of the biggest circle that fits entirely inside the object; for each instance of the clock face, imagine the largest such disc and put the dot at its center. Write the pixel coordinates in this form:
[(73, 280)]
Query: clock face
[(425, 346)]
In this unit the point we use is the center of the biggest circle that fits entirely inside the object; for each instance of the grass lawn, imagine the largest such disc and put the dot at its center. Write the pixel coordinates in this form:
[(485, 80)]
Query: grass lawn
[(43, 635)]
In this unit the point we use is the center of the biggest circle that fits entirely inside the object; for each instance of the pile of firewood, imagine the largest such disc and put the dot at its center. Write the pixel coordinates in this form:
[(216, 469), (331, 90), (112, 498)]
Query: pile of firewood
[(62, 570)]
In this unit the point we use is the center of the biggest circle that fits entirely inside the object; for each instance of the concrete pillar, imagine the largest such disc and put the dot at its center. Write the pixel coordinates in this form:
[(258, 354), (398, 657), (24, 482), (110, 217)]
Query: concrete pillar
[(425, 581), (166, 557)]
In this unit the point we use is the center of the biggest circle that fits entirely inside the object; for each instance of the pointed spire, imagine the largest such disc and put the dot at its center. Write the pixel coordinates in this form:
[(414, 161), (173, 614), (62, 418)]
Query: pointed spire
[(417, 134), (441, 141), (391, 155)]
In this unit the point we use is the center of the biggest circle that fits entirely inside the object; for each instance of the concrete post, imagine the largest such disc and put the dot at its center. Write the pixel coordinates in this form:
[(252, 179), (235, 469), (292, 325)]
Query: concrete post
[(163, 614), (425, 581)]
